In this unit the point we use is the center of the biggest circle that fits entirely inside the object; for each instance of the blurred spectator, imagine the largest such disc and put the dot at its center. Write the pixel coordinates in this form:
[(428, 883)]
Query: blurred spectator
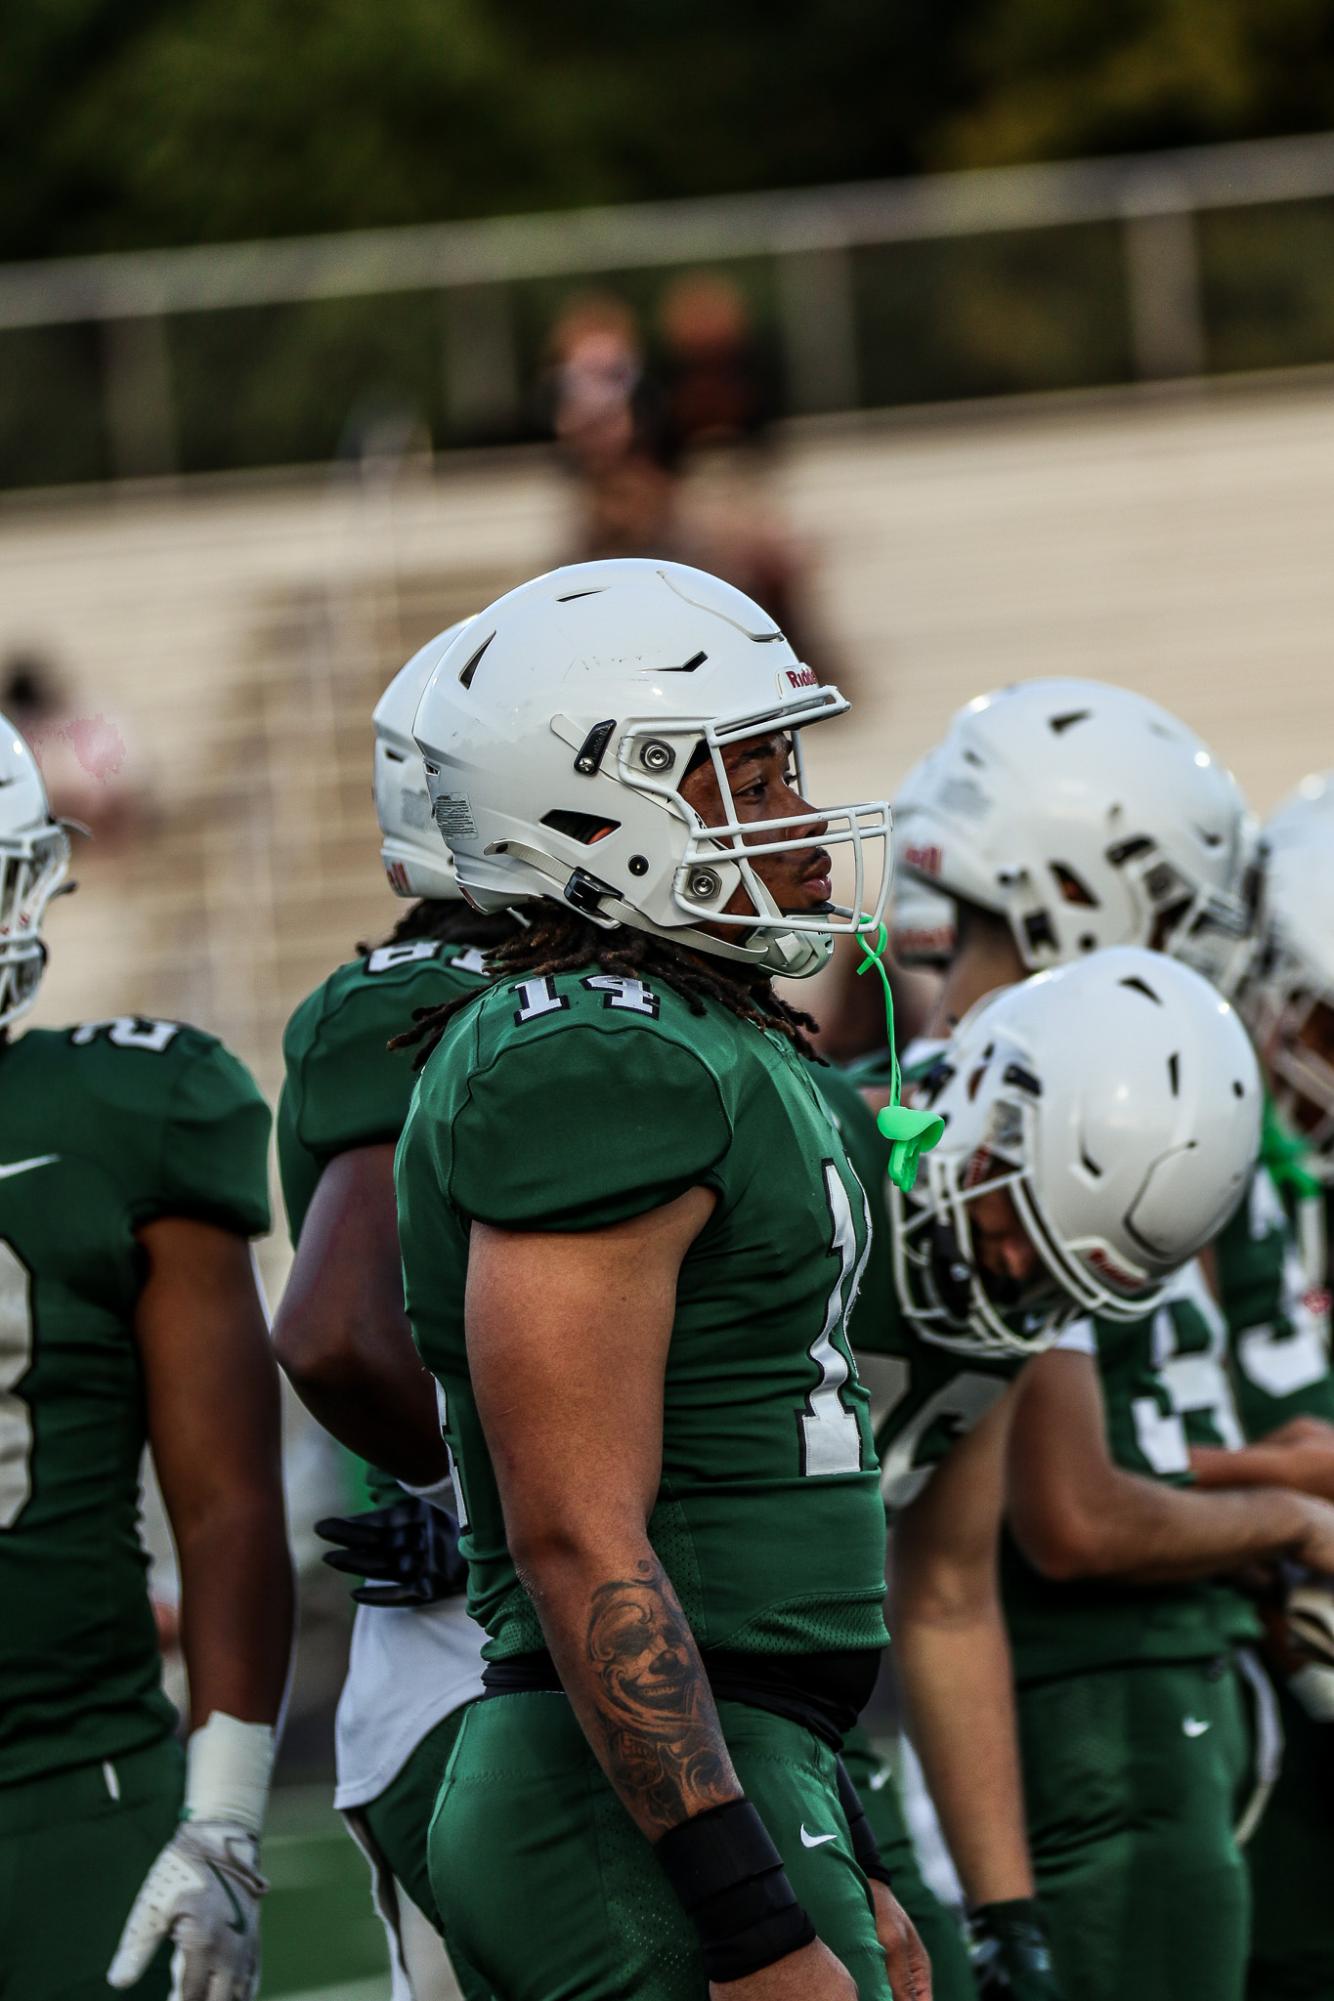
[(718, 388), (634, 506), (600, 400), (82, 756)]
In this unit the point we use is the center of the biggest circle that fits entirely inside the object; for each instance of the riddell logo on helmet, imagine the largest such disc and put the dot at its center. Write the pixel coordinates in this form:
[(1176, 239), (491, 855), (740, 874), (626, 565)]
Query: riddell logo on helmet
[(927, 861), (1124, 1281), (801, 677)]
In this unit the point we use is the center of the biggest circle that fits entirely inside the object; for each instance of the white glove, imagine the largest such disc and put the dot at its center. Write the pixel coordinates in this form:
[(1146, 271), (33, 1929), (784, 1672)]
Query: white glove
[(1309, 1609), (203, 1894)]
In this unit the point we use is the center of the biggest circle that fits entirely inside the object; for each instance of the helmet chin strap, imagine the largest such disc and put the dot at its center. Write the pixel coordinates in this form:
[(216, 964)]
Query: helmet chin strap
[(792, 955)]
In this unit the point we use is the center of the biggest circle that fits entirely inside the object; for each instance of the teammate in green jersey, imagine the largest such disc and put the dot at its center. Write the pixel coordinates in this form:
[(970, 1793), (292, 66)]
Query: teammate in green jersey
[(1100, 1121), (1288, 999), (631, 1238), (343, 1338), (134, 1176), (1060, 815)]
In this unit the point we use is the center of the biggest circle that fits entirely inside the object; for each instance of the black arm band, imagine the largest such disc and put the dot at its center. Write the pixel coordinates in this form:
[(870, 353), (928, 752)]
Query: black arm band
[(865, 1847), (732, 1884)]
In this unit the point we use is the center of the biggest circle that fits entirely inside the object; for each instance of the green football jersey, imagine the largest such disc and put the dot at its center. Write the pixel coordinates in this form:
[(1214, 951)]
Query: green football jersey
[(107, 1127), (574, 1103), (343, 1087), (1278, 1320), (1166, 1387)]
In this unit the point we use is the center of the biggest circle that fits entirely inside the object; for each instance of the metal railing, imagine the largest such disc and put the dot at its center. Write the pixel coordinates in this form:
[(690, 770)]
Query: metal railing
[(809, 235)]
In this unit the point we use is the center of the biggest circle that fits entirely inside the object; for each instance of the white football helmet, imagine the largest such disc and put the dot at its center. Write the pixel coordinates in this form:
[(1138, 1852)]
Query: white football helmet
[(34, 861), (415, 858), (1087, 816), (1117, 1101), (558, 728), (1288, 998)]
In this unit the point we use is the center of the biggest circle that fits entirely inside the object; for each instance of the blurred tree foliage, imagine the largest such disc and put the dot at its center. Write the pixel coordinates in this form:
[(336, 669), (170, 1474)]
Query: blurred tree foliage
[(129, 122)]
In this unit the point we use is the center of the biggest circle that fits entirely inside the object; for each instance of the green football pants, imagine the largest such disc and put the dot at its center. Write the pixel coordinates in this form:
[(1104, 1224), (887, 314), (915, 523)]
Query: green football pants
[(74, 1849), (1291, 1860), (396, 1822), (554, 1894), (951, 1974), (1132, 1781)]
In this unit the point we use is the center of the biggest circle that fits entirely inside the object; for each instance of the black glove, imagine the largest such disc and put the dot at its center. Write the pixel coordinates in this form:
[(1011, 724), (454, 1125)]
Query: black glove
[(1011, 1956), (411, 1549)]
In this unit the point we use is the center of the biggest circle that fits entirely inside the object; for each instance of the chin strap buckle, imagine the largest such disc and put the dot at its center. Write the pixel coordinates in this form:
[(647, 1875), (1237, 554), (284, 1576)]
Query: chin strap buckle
[(584, 893)]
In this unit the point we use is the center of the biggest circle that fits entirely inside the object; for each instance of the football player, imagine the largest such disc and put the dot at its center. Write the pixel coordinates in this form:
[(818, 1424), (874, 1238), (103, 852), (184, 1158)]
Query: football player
[(631, 1238), (133, 1180), (1101, 1122), (1061, 816), (343, 1338), (1288, 999)]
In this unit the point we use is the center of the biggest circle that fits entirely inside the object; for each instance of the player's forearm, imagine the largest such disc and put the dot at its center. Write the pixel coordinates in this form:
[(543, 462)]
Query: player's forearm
[(953, 1669), (1304, 1472), (630, 1666), (236, 1610), (1144, 1532)]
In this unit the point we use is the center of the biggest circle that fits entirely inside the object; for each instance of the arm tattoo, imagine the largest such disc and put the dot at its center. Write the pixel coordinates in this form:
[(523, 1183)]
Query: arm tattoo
[(665, 1751)]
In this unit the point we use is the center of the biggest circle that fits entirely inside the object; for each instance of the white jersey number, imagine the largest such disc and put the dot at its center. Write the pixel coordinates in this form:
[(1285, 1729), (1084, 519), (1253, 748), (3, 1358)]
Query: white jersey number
[(831, 1440), (129, 1031), (15, 1361), (960, 1405)]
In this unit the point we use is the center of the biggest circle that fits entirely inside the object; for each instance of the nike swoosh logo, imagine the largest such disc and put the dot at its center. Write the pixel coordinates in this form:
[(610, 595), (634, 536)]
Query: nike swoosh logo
[(815, 1840), (26, 1166), (235, 1923), (1194, 1726)]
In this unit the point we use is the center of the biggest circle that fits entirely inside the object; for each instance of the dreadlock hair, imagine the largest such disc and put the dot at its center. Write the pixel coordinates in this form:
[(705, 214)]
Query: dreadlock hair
[(560, 941), (450, 920)]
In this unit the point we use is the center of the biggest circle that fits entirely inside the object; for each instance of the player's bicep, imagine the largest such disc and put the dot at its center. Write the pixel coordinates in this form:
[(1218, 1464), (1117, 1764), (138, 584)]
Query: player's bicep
[(1059, 1470), (944, 1544), (210, 1381), (345, 1289), (567, 1339)]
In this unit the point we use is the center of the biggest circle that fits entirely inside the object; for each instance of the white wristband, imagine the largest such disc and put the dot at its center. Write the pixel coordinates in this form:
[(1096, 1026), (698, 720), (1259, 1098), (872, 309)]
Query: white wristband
[(228, 1765), (440, 1493)]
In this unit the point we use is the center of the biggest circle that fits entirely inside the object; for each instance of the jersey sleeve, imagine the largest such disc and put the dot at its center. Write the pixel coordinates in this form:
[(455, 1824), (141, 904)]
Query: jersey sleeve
[(215, 1143), (344, 1086), (571, 1129)]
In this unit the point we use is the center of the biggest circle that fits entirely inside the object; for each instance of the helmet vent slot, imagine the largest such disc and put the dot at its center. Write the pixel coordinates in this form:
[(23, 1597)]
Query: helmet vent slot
[(689, 666), (1089, 1165), (466, 674), (1072, 887), (1126, 851), (571, 596), (1174, 1073), (1022, 1079), (1139, 986), (1060, 724), (586, 828)]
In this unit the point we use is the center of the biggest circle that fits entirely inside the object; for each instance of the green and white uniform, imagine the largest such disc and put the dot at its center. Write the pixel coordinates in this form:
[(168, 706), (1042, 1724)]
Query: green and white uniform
[(1152, 1842), (574, 1103), (107, 1128), (410, 1670), (1281, 1366)]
